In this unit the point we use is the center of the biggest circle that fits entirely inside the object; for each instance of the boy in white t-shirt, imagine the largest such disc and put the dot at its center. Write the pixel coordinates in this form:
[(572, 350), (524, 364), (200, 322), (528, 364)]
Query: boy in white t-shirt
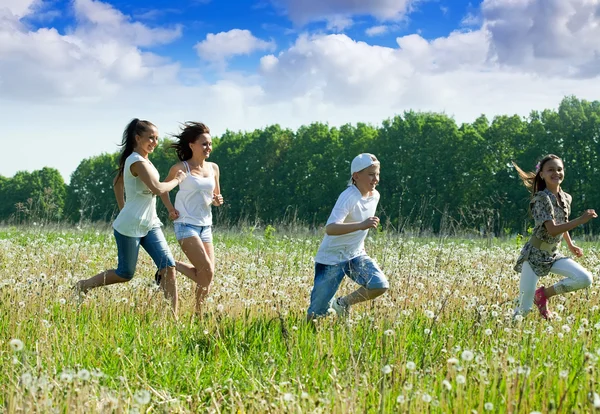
[(342, 252)]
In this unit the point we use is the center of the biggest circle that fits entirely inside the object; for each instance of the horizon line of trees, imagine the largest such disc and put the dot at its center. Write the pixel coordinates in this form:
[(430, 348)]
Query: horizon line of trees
[(436, 176)]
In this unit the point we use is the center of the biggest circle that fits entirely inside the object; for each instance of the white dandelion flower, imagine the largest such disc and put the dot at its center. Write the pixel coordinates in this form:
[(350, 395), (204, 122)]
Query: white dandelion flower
[(304, 395), (446, 384), (564, 373), (566, 328), (386, 369), (411, 366), (452, 361), (426, 398), (467, 355), (595, 399), (389, 332), (488, 406), (429, 314), (142, 397), (488, 332), (220, 307), (66, 377), (16, 345), (289, 397), (84, 374), (401, 399), (460, 379)]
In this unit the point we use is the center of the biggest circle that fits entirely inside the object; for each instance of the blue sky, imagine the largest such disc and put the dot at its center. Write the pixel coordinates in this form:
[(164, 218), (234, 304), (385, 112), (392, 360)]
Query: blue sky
[(73, 73)]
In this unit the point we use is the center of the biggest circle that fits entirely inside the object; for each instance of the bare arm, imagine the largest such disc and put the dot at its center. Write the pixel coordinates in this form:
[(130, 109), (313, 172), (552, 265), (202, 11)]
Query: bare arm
[(217, 197), (166, 199), (338, 229), (119, 189), (557, 229), (148, 177)]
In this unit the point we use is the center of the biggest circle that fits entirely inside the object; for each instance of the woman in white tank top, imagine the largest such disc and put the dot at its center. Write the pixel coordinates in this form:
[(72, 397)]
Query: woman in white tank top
[(192, 213), (137, 224)]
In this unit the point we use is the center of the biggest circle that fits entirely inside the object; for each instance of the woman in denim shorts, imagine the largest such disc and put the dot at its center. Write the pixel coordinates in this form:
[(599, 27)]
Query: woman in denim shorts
[(192, 212), (342, 252), (137, 224)]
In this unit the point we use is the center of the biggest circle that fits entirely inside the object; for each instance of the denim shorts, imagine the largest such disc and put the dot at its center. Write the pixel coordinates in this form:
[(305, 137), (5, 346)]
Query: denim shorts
[(129, 247), (184, 230), (362, 269)]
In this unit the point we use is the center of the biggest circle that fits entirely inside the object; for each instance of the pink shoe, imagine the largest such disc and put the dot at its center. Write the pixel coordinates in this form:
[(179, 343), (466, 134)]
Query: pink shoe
[(541, 301)]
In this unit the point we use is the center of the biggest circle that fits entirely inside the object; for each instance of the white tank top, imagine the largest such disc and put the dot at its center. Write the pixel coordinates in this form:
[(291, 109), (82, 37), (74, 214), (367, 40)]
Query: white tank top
[(194, 198), (138, 216)]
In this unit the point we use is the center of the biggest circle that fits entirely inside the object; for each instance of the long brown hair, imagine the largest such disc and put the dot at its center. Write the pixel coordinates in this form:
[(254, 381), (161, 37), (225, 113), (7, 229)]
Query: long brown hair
[(133, 128), (533, 180), (188, 135)]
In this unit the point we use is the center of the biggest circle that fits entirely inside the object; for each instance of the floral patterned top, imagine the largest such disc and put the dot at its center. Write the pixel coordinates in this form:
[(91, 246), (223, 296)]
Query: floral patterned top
[(545, 206)]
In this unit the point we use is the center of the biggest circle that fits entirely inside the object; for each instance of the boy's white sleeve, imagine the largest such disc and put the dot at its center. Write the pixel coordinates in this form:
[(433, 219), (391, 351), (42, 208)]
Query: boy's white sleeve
[(345, 202)]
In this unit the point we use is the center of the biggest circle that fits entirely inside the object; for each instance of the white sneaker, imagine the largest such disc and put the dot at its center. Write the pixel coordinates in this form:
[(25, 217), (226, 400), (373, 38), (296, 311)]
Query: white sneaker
[(341, 310)]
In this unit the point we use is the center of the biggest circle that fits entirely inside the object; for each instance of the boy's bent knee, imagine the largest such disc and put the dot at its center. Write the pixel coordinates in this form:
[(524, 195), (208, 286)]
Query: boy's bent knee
[(378, 291)]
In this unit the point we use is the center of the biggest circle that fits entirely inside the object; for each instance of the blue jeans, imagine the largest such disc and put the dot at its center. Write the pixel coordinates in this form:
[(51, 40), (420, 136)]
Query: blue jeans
[(129, 247), (184, 230), (362, 269)]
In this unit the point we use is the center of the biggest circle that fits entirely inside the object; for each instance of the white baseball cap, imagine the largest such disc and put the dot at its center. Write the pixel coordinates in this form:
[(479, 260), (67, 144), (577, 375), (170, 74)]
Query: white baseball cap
[(362, 161)]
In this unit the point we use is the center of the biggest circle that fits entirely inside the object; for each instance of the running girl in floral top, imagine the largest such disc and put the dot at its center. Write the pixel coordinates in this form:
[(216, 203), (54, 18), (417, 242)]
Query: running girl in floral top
[(550, 207)]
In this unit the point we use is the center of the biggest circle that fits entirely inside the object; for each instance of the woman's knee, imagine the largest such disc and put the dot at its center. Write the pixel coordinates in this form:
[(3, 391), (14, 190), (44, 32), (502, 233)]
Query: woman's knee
[(587, 279)]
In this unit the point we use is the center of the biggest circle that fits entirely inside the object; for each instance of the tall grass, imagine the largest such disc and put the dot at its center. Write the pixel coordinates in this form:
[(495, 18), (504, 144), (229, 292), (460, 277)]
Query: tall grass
[(441, 340)]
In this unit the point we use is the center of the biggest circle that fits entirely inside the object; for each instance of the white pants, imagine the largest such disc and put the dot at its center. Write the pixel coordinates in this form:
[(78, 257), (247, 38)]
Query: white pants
[(576, 277)]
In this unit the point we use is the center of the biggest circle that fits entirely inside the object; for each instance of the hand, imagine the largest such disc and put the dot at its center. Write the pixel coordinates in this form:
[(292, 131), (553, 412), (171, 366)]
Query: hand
[(173, 214), (217, 200), (180, 176), (370, 223), (588, 215), (576, 250)]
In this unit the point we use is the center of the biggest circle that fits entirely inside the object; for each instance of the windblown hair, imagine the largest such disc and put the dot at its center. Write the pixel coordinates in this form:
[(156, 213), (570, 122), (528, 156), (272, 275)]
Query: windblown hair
[(135, 127), (533, 180), (189, 134)]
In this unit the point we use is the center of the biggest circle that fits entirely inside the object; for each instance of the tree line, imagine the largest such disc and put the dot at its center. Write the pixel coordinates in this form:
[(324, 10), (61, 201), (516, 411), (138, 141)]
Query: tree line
[(436, 176)]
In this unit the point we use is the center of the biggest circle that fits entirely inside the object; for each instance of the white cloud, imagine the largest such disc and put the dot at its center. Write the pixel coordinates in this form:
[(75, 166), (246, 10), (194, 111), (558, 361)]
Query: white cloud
[(555, 37), (19, 8), (305, 11), (377, 30), (339, 23), (217, 48)]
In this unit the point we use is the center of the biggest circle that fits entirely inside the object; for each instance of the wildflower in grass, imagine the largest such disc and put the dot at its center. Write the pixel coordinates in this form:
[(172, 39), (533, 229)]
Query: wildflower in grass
[(142, 397), (467, 355), (386, 369), (560, 307), (564, 373), (66, 377), (21, 304), (83, 374), (429, 314), (595, 399), (408, 386), (446, 384), (304, 395), (460, 379), (62, 301), (426, 398), (389, 332), (597, 326), (220, 307), (566, 328), (411, 366), (16, 345), (488, 332), (518, 318), (426, 331), (560, 335), (494, 314), (26, 379), (452, 361), (488, 406)]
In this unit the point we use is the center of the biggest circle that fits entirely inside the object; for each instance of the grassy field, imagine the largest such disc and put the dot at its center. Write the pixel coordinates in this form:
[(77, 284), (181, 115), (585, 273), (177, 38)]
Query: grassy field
[(441, 340)]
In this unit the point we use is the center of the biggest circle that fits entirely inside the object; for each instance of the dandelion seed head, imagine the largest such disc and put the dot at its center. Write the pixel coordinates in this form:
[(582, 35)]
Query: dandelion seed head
[(142, 397), (16, 345), (386, 369), (411, 366)]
